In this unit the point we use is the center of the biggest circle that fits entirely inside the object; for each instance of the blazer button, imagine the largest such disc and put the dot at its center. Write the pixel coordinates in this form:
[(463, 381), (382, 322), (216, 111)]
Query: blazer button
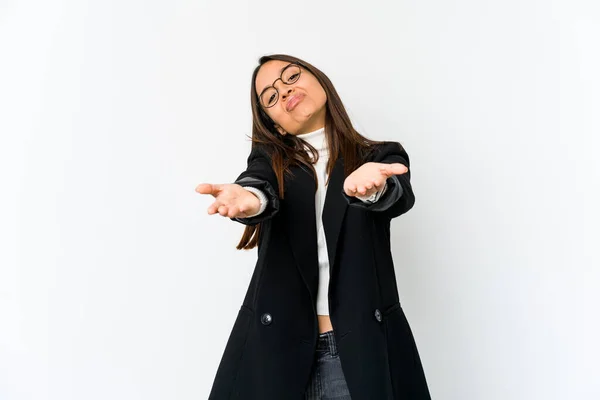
[(378, 314), (266, 319)]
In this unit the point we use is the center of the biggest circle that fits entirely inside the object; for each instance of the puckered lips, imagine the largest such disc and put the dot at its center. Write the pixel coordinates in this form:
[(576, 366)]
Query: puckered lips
[(293, 101)]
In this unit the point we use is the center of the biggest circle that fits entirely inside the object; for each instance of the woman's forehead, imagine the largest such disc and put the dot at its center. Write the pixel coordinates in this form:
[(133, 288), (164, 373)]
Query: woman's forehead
[(268, 72)]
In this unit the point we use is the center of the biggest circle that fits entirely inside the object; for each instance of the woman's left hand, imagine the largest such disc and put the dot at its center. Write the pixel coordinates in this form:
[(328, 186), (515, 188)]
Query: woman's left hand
[(370, 177)]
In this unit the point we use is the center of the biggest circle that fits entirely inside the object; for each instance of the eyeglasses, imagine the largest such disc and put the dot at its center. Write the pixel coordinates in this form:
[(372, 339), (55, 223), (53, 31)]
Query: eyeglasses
[(269, 96)]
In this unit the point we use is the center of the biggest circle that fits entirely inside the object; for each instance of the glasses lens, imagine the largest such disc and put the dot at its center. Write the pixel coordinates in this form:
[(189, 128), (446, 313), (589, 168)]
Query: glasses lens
[(269, 97), (291, 74)]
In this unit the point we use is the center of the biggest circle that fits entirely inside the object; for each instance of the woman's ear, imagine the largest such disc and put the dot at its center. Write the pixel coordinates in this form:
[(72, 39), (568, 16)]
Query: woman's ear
[(280, 130)]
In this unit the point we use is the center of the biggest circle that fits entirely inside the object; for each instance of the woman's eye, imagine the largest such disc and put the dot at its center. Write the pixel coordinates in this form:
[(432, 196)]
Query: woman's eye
[(293, 77), (271, 99)]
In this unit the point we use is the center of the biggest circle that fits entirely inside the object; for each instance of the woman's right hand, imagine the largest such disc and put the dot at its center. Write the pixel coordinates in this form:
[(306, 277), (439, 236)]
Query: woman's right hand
[(231, 199)]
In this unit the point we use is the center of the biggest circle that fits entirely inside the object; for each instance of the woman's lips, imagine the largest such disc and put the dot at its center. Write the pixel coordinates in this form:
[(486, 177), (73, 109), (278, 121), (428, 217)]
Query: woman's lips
[(293, 101)]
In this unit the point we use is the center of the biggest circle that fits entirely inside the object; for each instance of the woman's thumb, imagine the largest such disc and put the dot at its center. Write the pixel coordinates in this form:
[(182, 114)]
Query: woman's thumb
[(208, 188), (393, 169)]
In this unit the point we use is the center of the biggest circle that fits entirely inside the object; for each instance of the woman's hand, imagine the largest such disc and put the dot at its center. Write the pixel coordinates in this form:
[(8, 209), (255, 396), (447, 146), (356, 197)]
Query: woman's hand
[(370, 177), (231, 200)]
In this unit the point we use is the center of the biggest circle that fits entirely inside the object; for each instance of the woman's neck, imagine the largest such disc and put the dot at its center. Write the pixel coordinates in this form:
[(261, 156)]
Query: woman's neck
[(315, 138)]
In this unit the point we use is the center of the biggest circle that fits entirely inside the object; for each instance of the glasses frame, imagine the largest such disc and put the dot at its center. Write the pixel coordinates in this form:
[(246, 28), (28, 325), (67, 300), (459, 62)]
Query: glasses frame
[(280, 79)]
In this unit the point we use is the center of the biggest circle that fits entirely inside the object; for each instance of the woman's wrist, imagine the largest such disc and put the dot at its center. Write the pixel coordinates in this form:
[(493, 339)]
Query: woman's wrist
[(263, 201)]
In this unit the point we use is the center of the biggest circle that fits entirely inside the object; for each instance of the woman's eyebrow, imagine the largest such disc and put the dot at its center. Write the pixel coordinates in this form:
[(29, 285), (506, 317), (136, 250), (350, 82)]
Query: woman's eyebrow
[(280, 71)]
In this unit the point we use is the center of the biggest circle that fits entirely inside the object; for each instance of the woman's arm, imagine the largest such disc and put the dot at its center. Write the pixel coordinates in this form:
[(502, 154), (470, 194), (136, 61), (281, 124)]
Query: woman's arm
[(259, 176), (399, 196)]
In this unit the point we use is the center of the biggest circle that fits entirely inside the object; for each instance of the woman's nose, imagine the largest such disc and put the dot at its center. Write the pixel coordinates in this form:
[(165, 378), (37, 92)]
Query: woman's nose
[(283, 89), (286, 92)]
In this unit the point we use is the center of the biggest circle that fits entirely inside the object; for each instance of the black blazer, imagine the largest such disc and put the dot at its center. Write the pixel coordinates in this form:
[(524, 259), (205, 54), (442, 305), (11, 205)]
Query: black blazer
[(270, 351)]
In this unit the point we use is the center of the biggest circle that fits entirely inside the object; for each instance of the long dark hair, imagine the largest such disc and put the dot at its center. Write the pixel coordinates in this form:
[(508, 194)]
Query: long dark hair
[(286, 151)]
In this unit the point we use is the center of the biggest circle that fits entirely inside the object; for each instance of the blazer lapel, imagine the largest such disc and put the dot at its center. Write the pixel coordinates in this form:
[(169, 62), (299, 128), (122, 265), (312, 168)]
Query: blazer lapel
[(334, 211), (302, 232), (300, 196)]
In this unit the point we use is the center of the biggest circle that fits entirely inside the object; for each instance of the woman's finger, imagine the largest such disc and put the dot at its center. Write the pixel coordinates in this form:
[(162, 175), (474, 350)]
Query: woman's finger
[(223, 210), (233, 211), (212, 209), (349, 191)]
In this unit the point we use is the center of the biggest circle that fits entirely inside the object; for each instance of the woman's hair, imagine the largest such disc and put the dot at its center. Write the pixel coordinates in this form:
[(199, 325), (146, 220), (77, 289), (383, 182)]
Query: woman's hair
[(286, 151)]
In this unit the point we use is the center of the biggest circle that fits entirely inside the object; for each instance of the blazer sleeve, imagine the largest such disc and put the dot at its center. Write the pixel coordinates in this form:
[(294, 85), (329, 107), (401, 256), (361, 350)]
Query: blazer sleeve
[(399, 196), (260, 175)]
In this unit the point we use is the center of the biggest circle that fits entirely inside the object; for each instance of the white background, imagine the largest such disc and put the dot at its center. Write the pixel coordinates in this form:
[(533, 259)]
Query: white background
[(116, 284)]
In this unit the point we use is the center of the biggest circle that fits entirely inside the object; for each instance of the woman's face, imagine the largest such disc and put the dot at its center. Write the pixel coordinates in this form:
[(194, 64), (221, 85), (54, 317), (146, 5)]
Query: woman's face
[(300, 107)]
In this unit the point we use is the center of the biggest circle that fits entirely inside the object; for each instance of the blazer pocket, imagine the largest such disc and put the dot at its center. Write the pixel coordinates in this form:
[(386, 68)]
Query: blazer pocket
[(408, 379), (390, 309), (231, 360)]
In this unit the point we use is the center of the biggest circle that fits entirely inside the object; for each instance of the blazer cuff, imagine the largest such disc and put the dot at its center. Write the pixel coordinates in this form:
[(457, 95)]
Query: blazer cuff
[(374, 197), (393, 192), (271, 206)]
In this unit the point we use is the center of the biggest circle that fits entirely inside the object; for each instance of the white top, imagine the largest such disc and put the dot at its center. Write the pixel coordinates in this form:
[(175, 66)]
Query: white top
[(319, 141)]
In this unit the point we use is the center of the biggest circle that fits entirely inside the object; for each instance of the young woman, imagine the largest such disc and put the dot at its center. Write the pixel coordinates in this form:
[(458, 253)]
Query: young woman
[(321, 318)]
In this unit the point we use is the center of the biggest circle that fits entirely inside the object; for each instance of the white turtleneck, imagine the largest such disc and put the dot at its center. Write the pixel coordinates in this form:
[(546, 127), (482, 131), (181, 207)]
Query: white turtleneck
[(319, 141)]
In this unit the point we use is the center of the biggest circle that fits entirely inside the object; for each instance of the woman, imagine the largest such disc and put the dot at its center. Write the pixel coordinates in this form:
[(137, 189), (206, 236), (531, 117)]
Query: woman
[(321, 318)]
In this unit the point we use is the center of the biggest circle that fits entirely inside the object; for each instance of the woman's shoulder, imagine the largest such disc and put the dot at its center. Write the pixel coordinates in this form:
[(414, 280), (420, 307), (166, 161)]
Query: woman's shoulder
[(383, 149), (259, 151)]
